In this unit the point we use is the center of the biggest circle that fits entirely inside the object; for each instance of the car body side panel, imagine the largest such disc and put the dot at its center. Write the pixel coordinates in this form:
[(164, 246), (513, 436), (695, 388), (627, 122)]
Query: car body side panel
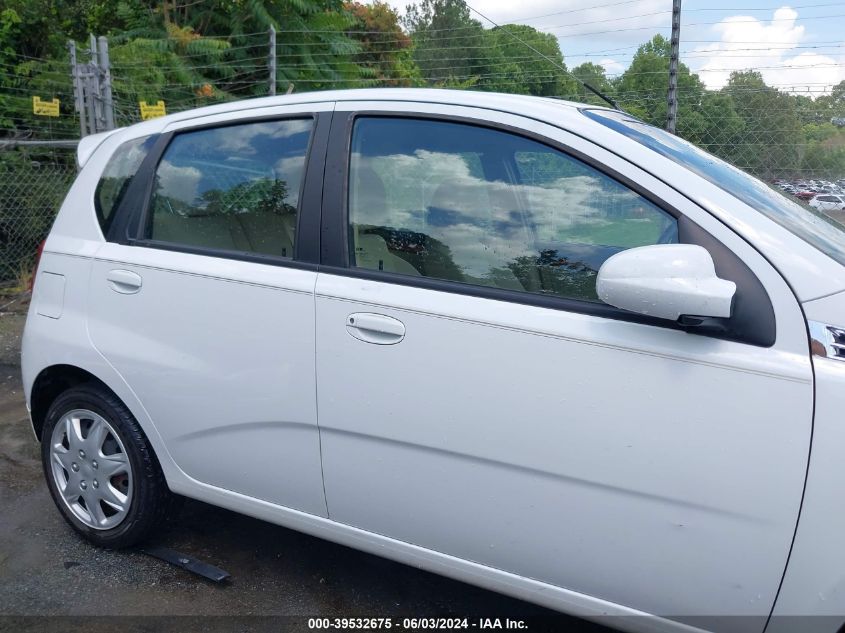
[(580, 451), (222, 354), (65, 341), (571, 602)]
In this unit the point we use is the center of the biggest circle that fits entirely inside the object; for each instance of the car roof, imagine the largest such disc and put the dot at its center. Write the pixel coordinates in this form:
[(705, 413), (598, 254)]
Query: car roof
[(547, 109), (522, 104), (544, 109)]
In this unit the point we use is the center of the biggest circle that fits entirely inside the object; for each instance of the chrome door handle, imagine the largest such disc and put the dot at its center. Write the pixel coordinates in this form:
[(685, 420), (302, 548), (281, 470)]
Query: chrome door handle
[(124, 281), (375, 328)]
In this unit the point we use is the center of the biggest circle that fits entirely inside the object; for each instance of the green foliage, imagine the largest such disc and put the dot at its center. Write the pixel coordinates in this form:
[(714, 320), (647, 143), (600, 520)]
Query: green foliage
[(524, 71), (450, 47), (260, 196), (771, 141), (647, 80), (385, 49), (454, 50), (595, 76), (32, 186)]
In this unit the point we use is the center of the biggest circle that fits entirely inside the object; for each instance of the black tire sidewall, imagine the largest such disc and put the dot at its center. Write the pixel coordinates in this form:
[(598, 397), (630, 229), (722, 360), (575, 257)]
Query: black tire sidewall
[(148, 489)]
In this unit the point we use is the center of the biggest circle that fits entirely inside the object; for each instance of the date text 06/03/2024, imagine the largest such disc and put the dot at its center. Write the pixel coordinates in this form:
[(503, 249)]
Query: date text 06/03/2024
[(416, 624)]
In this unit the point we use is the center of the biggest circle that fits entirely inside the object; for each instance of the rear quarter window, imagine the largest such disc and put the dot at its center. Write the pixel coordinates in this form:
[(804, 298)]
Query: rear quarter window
[(116, 178)]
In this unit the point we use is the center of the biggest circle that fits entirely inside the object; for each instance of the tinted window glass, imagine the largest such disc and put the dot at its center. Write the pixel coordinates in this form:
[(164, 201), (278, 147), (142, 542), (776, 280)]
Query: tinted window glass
[(817, 229), (479, 206), (116, 177), (234, 188)]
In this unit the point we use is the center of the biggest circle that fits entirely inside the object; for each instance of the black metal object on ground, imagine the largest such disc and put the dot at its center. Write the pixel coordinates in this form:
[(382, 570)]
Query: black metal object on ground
[(192, 565)]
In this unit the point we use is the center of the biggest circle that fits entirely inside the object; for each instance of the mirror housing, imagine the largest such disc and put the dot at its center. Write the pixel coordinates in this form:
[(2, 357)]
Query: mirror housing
[(668, 281)]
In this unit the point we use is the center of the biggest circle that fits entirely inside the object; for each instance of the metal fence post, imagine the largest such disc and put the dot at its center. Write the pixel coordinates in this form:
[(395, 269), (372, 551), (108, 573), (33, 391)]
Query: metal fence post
[(272, 60), (105, 72), (78, 97), (92, 87)]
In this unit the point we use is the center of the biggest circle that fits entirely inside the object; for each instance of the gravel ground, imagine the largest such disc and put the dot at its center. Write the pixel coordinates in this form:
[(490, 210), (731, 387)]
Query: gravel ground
[(51, 580)]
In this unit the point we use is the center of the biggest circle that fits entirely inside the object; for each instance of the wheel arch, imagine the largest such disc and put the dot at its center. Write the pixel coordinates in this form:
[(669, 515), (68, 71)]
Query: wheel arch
[(54, 378), (53, 381)]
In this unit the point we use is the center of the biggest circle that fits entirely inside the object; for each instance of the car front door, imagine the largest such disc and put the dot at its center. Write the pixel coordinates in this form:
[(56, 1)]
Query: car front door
[(203, 300), (477, 399)]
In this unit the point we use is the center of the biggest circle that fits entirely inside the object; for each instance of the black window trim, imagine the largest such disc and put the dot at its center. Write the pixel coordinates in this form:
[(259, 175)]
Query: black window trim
[(755, 326), (133, 213)]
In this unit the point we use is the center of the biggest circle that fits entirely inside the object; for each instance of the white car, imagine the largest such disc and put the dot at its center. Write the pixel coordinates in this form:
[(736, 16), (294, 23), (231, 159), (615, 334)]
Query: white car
[(828, 202), (537, 346)]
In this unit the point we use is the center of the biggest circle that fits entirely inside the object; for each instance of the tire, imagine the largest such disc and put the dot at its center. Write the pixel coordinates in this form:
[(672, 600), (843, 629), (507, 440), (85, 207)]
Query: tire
[(118, 478)]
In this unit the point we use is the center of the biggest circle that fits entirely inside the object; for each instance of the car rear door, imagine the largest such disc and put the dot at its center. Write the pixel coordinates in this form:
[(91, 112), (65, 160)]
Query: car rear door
[(203, 299), (476, 399)]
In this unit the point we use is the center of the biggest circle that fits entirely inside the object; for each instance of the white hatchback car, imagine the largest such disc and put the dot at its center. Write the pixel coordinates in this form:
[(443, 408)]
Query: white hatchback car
[(537, 346)]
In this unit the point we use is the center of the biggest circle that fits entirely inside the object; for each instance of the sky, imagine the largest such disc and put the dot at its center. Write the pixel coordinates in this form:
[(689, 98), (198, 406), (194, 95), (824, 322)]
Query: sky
[(798, 47)]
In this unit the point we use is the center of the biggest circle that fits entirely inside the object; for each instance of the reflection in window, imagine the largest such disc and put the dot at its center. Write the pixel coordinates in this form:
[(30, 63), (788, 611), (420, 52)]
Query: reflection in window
[(473, 205), (234, 188), (117, 176), (815, 228)]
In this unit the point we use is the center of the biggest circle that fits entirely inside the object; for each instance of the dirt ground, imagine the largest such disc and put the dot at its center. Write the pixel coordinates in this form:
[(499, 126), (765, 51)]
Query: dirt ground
[(51, 580)]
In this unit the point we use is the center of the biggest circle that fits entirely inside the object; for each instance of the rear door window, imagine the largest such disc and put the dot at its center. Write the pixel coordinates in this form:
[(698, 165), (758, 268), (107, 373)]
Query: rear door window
[(234, 188)]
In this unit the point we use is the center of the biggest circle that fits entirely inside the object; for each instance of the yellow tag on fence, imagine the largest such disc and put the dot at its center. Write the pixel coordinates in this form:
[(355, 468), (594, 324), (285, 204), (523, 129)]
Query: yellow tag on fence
[(151, 111), (45, 108)]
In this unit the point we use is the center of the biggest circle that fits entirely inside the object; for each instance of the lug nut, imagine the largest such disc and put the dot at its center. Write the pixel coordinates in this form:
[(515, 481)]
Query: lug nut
[(74, 467), (96, 484), (82, 454), (94, 464), (83, 485)]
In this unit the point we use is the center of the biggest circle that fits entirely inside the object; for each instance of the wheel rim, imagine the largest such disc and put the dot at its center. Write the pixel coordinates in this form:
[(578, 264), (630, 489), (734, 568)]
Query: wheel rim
[(91, 469)]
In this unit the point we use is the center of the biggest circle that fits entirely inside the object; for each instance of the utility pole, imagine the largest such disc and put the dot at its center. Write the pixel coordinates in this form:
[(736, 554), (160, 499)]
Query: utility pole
[(272, 60), (672, 99)]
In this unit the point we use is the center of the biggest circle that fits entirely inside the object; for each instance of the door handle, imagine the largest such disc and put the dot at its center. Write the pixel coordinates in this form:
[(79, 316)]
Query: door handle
[(375, 328), (124, 281)]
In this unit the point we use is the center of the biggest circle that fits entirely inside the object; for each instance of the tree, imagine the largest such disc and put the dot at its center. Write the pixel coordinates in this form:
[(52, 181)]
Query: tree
[(386, 55), (450, 47), (772, 138), (643, 87), (595, 76), (712, 124), (705, 118), (524, 71)]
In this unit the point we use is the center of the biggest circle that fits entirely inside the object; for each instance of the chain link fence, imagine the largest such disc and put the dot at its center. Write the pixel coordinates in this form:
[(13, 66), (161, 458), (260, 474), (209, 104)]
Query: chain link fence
[(780, 135), (33, 183)]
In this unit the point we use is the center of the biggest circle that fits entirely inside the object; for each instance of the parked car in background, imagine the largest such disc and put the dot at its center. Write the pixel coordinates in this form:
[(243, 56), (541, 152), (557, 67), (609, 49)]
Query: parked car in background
[(805, 195), (828, 202), (537, 346)]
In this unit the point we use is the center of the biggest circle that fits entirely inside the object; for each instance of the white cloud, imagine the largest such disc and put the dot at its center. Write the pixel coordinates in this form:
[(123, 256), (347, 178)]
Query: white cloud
[(572, 19), (181, 183), (769, 46)]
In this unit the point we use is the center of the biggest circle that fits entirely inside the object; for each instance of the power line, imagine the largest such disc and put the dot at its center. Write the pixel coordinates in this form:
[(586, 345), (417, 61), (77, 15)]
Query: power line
[(547, 58)]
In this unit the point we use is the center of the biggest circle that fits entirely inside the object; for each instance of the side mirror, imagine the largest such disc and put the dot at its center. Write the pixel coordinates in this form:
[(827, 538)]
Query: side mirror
[(668, 281)]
